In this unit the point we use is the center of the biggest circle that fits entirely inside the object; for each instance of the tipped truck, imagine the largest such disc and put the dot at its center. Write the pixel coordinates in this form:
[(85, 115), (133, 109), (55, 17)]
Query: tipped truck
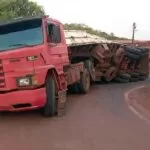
[(40, 62)]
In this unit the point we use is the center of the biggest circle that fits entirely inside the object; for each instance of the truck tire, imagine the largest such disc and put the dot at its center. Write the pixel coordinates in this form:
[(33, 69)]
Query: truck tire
[(124, 76), (84, 84), (90, 67), (73, 88), (143, 74), (134, 74), (132, 56), (133, 50), (49, 109), (132, 79), (142, 78), (121, 80), (143, 50)]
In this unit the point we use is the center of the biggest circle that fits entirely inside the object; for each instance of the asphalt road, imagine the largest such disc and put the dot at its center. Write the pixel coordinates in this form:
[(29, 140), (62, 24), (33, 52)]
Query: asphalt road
[(100, 120)]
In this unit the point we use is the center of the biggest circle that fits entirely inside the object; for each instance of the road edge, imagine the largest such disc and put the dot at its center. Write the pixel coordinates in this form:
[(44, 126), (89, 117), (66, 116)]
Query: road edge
[(137, 109)]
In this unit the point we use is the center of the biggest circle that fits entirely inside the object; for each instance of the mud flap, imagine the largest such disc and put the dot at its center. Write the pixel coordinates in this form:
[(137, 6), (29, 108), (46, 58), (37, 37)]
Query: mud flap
[(61, 103)]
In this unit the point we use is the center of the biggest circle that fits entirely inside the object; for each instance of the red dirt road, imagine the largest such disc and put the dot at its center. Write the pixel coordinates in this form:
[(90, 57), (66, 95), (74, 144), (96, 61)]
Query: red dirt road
[(100, 120)]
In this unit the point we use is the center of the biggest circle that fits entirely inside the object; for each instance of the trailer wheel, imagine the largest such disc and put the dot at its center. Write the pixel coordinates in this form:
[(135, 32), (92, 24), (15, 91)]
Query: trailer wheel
[(143, 74), (142, 78), (132, 56), (90, 67), (133, 79), (84, 84), (134, 74), (133, 50), (73, 88), (143, 50), (50, 107), (121, 80), (124, 76)]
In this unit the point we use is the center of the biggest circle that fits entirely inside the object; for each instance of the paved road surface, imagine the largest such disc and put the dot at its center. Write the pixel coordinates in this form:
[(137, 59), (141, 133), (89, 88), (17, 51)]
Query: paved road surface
[(97, 121)]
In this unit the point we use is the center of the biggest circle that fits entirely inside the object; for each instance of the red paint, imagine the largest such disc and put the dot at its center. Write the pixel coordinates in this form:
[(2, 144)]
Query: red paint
[(15, 64), (34, 97)]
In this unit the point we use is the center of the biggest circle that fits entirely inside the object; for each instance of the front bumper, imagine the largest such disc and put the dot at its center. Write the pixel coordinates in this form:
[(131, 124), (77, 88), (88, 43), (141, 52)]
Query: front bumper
[(22, 100)]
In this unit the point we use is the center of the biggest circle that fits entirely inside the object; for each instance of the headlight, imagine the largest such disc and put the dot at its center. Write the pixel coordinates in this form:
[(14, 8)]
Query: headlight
[(25, 81), (32, 58)]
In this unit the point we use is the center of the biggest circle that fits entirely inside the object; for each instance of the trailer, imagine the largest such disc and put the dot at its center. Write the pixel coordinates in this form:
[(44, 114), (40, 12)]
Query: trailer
[(107, 60), (40, 62)]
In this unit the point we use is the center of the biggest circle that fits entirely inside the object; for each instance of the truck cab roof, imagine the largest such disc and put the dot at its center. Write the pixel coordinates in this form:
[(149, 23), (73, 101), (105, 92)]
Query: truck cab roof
[(21, 19)]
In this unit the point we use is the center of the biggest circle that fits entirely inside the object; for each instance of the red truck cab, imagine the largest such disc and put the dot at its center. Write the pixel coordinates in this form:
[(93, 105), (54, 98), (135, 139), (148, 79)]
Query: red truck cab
[(33, 54)]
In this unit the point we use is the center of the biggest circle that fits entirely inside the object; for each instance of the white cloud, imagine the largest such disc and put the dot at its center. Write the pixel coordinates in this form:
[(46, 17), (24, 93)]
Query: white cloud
[(108, 15)]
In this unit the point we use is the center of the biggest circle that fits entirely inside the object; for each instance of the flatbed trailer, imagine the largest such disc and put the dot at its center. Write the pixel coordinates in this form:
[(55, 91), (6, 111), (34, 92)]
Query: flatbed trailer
[(108, 60), (40, 61)]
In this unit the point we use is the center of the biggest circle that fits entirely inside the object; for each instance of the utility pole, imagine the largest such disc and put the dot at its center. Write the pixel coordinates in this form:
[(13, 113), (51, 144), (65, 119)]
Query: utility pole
[(133, 31)]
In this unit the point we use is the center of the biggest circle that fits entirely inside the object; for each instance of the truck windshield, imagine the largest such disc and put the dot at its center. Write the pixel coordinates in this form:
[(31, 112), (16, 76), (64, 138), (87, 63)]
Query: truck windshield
[(21, 34)]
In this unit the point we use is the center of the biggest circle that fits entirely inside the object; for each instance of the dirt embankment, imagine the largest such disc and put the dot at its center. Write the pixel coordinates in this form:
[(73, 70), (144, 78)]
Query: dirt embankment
[(143, 97), (139, 101)]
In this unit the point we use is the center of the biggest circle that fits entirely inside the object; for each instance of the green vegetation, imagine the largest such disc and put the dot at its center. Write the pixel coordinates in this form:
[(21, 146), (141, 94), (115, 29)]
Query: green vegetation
[(88, 29), (19, 8), (23, 8)]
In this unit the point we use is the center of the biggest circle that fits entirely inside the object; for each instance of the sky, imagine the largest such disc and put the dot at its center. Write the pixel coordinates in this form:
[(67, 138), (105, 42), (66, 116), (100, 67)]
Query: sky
[(115, 16)]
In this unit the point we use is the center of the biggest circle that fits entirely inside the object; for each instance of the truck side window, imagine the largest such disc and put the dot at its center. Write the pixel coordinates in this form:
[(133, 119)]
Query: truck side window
[(54, 33)]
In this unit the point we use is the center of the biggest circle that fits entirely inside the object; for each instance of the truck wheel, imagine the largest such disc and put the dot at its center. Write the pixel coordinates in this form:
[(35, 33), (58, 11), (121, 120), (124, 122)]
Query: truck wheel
[(124, 76), (133, 50), (142, 78), (134, 74), (132, 79), (121, 80), (143, 74), (84, 84), (132, 56), (50, 107), (143, 50), (73, 88), (90, 67)]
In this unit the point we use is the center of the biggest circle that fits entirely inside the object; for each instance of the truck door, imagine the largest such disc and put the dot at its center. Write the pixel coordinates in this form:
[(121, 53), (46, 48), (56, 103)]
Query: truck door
[(56, 48)]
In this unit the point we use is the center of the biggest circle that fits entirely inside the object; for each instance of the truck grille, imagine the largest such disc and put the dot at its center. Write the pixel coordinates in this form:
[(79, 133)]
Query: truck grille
[(2, 77)]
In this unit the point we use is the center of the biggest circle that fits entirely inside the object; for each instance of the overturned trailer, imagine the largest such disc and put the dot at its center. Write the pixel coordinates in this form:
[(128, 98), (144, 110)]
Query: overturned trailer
[(107, 60)]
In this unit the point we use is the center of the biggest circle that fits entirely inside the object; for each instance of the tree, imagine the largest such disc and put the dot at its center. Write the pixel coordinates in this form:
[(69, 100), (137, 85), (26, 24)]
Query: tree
[(112, 34), (19, 8)]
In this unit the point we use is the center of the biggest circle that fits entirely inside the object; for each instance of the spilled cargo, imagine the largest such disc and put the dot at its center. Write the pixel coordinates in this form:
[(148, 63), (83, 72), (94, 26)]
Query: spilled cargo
[(109, 61)]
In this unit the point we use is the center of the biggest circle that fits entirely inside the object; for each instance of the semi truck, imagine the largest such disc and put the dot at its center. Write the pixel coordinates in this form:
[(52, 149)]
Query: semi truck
[(40, 62)]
